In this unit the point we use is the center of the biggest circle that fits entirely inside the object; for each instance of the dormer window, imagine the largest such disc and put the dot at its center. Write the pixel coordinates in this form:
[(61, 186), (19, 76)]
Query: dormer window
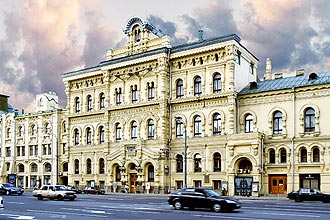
[(137, 35)]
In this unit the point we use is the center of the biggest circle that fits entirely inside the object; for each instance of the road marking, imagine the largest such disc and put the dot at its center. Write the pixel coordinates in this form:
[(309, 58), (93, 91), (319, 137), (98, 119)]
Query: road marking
[(286, 209), (18, 216), (19, 203), (229, 217), (69, 213)]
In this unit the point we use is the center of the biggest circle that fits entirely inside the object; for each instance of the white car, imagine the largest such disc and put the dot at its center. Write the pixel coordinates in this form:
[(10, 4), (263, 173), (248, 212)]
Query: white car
[(58, 192)]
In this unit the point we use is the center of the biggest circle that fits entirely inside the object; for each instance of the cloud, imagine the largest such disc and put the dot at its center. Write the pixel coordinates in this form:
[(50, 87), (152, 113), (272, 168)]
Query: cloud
[(43, 40)]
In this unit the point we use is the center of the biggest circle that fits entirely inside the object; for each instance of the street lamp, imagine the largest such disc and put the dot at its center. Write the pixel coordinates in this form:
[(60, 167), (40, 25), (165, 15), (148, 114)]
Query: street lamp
[(179, 120)]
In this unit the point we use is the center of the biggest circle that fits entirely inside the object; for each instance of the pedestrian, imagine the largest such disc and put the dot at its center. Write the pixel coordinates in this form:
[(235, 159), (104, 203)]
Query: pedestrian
[(126, 188)]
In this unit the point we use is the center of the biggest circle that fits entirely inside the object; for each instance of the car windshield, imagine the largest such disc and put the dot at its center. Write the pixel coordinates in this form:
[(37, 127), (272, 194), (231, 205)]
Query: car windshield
[(211, 193), (60, 188), (8, 185)]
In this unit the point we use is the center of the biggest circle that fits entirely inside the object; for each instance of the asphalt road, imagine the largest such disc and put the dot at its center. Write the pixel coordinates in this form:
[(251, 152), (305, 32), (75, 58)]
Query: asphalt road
[(152, 207)]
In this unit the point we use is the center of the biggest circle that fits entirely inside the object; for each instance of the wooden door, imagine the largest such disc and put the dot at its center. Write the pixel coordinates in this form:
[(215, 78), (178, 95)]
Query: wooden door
[(132, 182), (278, 184)]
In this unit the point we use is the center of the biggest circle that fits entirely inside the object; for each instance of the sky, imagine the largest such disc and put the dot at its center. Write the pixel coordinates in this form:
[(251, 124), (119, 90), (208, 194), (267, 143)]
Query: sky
[(42, 39)]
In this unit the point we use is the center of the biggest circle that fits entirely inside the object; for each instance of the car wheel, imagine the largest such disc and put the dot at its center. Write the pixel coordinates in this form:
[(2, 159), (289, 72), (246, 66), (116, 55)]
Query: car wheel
[(177, 205), (40, 197), (298, 200), (8, 193), (59, 197), (71, 199), (216, 207)]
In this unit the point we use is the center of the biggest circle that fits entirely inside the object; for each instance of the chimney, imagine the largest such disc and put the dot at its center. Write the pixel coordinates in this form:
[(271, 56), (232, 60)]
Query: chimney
[(268, 69), (200, 35), (300, 72), (278, 75)]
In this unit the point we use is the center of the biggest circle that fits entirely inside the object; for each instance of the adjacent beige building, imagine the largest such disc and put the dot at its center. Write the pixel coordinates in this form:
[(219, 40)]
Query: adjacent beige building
[(158, 117)]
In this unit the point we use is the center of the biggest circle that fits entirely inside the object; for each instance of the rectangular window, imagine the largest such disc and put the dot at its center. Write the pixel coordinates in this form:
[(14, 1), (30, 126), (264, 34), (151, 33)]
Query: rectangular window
[(151, 93), (31, 150), (18, 151)]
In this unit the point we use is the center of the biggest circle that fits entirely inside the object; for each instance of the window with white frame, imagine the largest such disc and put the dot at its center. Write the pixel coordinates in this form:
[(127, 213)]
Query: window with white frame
[(248, 123)]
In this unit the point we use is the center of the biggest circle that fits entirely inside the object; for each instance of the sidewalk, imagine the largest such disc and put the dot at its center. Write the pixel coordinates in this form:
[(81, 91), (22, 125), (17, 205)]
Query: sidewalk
[(265, 197)]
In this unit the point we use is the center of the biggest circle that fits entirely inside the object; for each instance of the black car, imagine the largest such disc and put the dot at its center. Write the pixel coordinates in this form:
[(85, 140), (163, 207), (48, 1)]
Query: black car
[(308, 194), (202, 198), (74, 189), (10, 189)]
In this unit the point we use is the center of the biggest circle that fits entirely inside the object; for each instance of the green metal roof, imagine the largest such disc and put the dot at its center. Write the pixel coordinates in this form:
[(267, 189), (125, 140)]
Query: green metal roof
[(287, 83)]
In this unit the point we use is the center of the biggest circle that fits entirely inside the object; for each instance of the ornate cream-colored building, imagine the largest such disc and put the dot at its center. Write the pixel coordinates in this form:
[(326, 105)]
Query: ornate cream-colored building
[(158, 117)]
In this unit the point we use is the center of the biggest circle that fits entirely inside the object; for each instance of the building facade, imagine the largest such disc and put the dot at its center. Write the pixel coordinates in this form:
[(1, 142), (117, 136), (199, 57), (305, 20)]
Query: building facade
[(159, 117)]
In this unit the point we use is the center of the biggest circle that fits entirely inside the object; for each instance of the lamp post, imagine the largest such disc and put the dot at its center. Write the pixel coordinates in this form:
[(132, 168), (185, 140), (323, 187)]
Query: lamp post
[(178, 119)]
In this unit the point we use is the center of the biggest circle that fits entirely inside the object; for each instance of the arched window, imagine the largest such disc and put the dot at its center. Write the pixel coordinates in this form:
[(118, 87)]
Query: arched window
[(88, 136), (316, 155), (179, 88), (101, 135), (217, 85), (33, 130), (248, 123), (217, 162), (151, 91), (197, 126), (179, 128), (151, 173), (76, 166), (20, 131), (118, 132), (101, 166), (89, 166), (102, 100), (198, 163), (198, 86), (76, 136), (21, 168), (48, 167), (277, 123), (34, 168), (283, 155), (89, 103), (47, 128), (303, 155), (64, 126), (272, 156), (119, 96), (8, 133), (134, 130), (151, 129), (309, 120), (137, 35), (217, 124), (179, 163), (77, 104)]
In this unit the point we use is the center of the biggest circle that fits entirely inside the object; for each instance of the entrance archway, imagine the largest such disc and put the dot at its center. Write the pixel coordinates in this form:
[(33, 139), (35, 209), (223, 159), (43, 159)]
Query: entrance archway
[(243, 180)]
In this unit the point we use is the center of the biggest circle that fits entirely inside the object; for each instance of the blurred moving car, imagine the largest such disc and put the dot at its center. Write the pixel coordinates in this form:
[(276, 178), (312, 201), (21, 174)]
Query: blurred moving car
[(202, 198), (93, 190), (10, 189), (51, 192), (308, 194), (74, 189)]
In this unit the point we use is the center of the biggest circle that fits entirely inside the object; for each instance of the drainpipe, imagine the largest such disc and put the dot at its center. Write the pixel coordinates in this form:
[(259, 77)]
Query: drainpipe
[(293, 135), (262, 162), (170, 123)]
